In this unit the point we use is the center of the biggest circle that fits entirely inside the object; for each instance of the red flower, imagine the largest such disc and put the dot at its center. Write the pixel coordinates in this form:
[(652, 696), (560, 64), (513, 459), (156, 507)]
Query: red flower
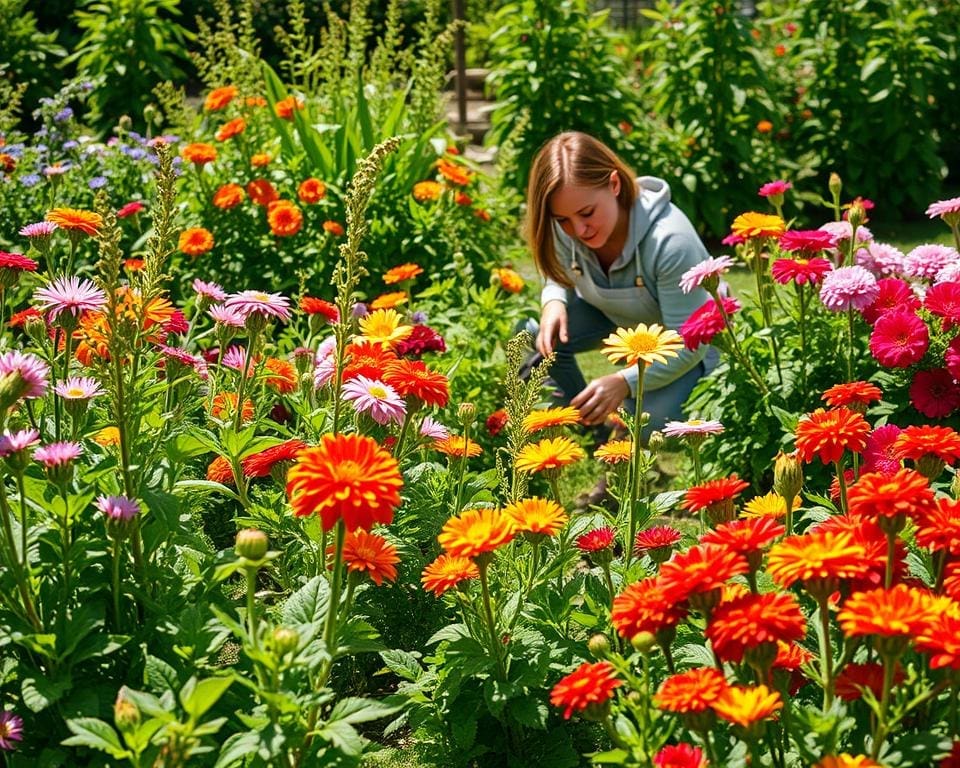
[(680, 756), (129, 209), (807, 241), (412, 379), (899, 339), (366, 358), (702, 568), (951, 358), (313, 306), (657, 537), (856, 395), (939, 529), (934, 393), (894, 295), (881, 453), (713, 492), (588, 684), (941, 640), (706, 322), (597, 539), (690, 692), (800, 271), (259, 464), (854, 679), (496, 421), (827, 434), (751, 620), (421, 339), (750, 534), (643, 607), (876, 495), (926, 440), (943, 300)]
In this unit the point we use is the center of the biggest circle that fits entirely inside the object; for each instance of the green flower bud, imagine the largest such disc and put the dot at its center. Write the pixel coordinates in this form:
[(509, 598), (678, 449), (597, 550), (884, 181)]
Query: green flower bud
[(285, 640), (467, 413), (787, 475), (835, 185), (251, 544), (599, 646), (643, 642), (126, 714)]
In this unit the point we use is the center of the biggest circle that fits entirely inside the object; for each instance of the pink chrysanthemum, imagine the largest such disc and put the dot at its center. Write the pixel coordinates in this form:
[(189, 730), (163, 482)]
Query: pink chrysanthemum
[(39, 230), (949, 274), (118, 507), (31, 369), (57, 454), (848, 288), (229, 317), (380, 401), (691, 427), (11, 731), (893, 294), (260, 303), (944, 208), (943, 300), (78, 388), (899, 339), (708, 268), (185, 358), (210, 291), (324, 370), (926, 261), (69, 294), (800, 271), (807, 241), (433, 429), (934, 393), (772, 188), (881, 259), (879, 455), (841, 231), (706, 322), (18, 441)]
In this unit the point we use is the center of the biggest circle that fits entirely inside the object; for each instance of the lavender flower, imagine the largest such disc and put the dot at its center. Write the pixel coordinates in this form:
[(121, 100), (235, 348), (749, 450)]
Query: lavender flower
[(848, 288), (33, 372), (69, 294), (380, 401), (11, 731)]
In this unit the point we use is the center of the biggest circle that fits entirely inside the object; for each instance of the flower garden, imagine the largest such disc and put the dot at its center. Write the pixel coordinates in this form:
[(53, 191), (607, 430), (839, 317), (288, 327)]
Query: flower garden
[(276, 493)]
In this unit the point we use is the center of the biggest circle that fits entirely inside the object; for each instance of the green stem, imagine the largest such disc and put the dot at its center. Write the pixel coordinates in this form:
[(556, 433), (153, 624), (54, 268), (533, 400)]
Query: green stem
[(802, 300), (330, 627), (491, 624), (24, 553), (826, 651), (635, 462), (738, 351), (842, 483), (880, 734), (115, 583), (23, 586), (850, 344), (252, 622)]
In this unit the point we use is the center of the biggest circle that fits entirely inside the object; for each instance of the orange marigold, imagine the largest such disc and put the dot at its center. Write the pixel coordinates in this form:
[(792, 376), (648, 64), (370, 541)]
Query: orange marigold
[(334, 228), (901, 611), (346, 477), (614, 452), (939, 529), (220, 471), (259, 160), (224, 406), (454, 173), (402, 272), (280, 375), (508, 279), (446, 572), (643, 607), (814, 557), (457, 445), (751, 620), (284, 218), (548, 454), (389, 300), (311, 191), (695, 690), (589, 685), (231, 128), (413, 379), (536, 515), (879, 495), (367, 358), (745, 705), (827, 434), (702, 568), (261, 192), (218, 98), (751, 224), (228, 196), (855, 395), (195, 241), (550, 417), (474, 532), (74, 220), (425, 191), (940, 639), (369, 553), (199, 153), (285, 108)]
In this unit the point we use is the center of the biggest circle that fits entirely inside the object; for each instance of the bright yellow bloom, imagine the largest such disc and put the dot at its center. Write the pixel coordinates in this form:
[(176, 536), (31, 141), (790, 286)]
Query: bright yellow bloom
[(753, 224), (107, 436), (474, 532), (614, 452), (769, 505), (548, 454), (550, 417), (845, 760), (536, 515), (650, 343), (382, 326), (745, 705)]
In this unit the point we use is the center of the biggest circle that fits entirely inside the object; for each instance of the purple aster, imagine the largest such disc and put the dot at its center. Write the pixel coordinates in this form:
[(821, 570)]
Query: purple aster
[(707, 270), (359, 310), (925, 261), (692, 427), (30, 180), (848, 288), (210, 291), (944, 208), (227, 316), (78, 388), (18, 441), (57, 454), (69, 294), (881, 259), (39, 229), (31, 369), (418, 318), (118, 507), (11, 731), (324, 370), (380, 401), (97, 182), (433, 429), (265, 305)]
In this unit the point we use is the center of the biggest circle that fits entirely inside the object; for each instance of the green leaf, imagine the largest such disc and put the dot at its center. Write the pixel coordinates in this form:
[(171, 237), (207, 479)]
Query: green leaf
[(871, 66), (38, 693), (308, 605), (96, 734), (464, 732), (355, 710), (343, 736), (237, 748), (403, 664), (199, 697)]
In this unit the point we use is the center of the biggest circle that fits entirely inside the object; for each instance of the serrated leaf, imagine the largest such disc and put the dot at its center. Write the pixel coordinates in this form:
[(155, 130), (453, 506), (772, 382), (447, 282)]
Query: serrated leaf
[(403, 664), (308, 605), (355, 709), (96, 734), (38, 693)]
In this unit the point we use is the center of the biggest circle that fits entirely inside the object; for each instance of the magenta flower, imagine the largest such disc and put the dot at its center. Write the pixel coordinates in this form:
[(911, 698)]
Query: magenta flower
[(899, 339), (943, 300), (18, 441), (78, 388), (926, 261), (39, 230), (266, 305), (69, 294), (848, 288), (209, 291), (235, 357), (57, 454), (185, 358), (11, 731), (129, 209), (118, 507), (806, 241), (433, 429), (732, 239), (706, 322), (951, 358), (33, 372), (691, 427), (879, 454), (800, 271), (881, 259), (177, 323), (944, 208), (380, 401), (934, 393), (16, 263), (772, 188), (707, 270), (227, 316), (422, 339), (892, 294)]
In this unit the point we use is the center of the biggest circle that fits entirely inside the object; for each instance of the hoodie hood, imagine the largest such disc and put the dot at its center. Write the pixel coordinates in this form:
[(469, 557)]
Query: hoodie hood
[(653, 201)]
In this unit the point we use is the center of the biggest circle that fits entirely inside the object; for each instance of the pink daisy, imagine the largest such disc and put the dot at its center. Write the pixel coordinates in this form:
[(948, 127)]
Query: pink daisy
[(323, 371), (57, 454), (893, 294), (943, 300), (266, 305), (40, 230), (15, 263), (899, 339), (130, 208), (235, 357), (879, 454), (848, 288), (11, 731), (705, 270), (927, 260), (934, 393), (380, 401), (209, 291), (31, 369), (433, 429), (881, 259), (228, 317), (944, 208), (800, 271), (733, 240), (772, 188), (806, 241), (692, 427), (118, 507), (69, 294), (18, 441), (706, 322), (841, 231), (78, 388)]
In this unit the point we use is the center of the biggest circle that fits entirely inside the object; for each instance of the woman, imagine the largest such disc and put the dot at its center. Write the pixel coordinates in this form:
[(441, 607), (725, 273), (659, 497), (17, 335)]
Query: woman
[(612, 248)]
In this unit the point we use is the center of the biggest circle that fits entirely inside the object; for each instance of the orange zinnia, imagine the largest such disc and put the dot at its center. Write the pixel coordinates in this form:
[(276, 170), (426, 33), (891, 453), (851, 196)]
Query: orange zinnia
[(811, 558), (199, 153), (446, 572), (389, 300), (548, 454), (231, 128), (902, 611), (752, 224), (74, 220), (218, 98), (402, 272), (310, 305), (508, 279), (261, 192), (285, 108), (752, 620), (643, 607), (228, 196), (614, 452), (259, 160), (940, 639), (745, 705), (588, 685), (919, 442), (877, 495), (195, 241), (537, 516), (280, 375), (261, 463), (550, 417), (474, 532), (827, 434), (427, 190), (413, 380), (750, 534), (939, 529), (284, 218), (701, 569), (224, 407), (713, 492), (220, 471), (311, 191), (365, 358), (855, 395), (455, 174), (457, 445), (334, 228), (369, 553), (346, 477), (692, 691)]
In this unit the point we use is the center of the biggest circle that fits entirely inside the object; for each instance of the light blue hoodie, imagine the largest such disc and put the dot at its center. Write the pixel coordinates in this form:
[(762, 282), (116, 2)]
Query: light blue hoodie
[(667, 245)]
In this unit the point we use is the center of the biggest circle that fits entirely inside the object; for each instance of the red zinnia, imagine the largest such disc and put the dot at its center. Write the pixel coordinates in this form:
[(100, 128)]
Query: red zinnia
[(877, 495), (369, 553), (657, 537), (692, 691), (813, 558), (934, 393), (597, 539), (366, 358), (750, 534), (260, 463), (587, 684), (643, 607), (713, 492), (702, 568), (680, 756), (899, 339), (901, 611), (496, 421), (313, 306), (941, 640), (856, 395), (827, 434), (800, 271), (894, 295), (752, 620), (917, 442), (880, 454), (412, 379), (939, 529), (807, 241), (706, 322), (854, 679), (951, 358)]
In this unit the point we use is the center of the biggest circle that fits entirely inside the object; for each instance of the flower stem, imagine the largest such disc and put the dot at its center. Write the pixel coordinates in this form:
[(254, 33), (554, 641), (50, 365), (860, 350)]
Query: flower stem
[(330, 626), (115, 582), (850, 344), (842, 483), (252, 622), (635, 461), (826, 652), (491, 625), (880, 734)]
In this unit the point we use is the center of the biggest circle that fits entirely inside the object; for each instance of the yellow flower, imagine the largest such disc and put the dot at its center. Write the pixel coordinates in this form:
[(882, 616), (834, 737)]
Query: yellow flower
[(650, 343), (536, 515), (548, 454), (382, 326), (550, 417), (769, 505), (427, 190), (475, 532), (753, 224), (614, 452), (107, 436)]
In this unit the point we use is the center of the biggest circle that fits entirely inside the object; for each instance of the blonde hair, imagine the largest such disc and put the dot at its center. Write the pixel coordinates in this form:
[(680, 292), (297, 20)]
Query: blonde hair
[(576, 159)]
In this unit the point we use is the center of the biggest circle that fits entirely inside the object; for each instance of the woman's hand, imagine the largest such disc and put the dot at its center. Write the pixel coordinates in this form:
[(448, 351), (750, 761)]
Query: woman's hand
[(553, 325), (600, 398)]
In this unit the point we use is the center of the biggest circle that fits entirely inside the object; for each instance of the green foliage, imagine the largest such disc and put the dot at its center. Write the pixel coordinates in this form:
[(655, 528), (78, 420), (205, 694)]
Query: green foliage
[(27, 59)]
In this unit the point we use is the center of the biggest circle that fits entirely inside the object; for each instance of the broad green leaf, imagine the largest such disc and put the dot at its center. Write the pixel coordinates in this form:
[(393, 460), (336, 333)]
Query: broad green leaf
[(96, 734), (198, 698)]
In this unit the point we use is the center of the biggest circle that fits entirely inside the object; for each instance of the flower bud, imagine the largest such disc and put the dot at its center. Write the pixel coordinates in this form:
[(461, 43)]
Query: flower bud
[(285, 640), (655, 442), (36, 329), (251, 544), (856, 215), (126, 714), (955, 485), (599, 646), (787, 475), (12, 388), (643, 642), (467, 413), (835, 185)]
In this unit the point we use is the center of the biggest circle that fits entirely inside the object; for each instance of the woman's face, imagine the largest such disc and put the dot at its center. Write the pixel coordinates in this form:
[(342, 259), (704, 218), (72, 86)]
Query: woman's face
[(589, 214)]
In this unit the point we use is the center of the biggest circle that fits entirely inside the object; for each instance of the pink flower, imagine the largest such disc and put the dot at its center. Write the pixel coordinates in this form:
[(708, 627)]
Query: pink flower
[(209, 291), (118, 507), (808, 241), (879, 454), (951, 358), (69, 294), (943, 300), (57, 454), (33, 372), (129, 209), (433, 429), (78, 388), (39, 231), (899, 339), (733, 240), (943, 208), (949, 274), (235, 357), (11, 731), (15, 263), (934, 393), (706, 270), (893, 294), (18, 441), (927, 260), (706, 322), (848, 288), (841, 231), (772, 188), (693, 427), (380, 401), (229, 317), (186, 359), (421, 339), (881, 259), (800, 271), (266, 305)]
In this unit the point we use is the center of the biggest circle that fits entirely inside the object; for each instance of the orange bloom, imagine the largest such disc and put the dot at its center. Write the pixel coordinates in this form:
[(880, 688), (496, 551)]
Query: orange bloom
[(815, 557), (827, 434), (255, 101), (389, 300), (918, 442), (195, 241), (457, 445), (231, 128), (474, 532), (310, 305), (446, 572), (748, 535), (228, 196), (752, 620), (311, 191), (220, 471), (261, 463), (745, 705), (764, 126), (284, 217), (412, 379), (367, 358), (369, 553), (280, 375), (548, 454), (643, 607), (346, 477), (752, 224), (482, 214), (940, 639), (939, 528), (550, 417), (133, 265), (334, 228), (462, 198), (74, 220), (285, 108), (199, 153), (402, 272), (614, 452), (224, 407), (901, 611), (866, 533), (508, 279), (856, 395), (455, 174), (424, 191), (261, 192), (259, 160), (701, 569), (695, 690), (713, 492), (877, 495), (845, 760), (107, 436), (589, 684), (536, 515), (218, 98)]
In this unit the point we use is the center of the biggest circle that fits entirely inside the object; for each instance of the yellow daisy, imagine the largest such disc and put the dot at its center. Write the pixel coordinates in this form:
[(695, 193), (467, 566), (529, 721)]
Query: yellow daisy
[(548, 454), (650, 343), (753, 224), (550, 417), (382, 326), (536, 515), (614, 452), (768, 505)]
